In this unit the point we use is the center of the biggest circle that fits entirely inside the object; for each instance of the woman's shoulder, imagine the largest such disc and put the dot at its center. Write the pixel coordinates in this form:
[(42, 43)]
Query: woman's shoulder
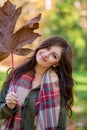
[(62, 101)]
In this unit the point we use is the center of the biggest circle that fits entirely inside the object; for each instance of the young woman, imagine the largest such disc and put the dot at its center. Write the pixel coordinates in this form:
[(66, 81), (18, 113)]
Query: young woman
[(43, 89)]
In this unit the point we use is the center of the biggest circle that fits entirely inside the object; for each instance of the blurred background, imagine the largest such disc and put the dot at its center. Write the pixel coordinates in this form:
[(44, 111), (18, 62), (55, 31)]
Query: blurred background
[(67, 18)]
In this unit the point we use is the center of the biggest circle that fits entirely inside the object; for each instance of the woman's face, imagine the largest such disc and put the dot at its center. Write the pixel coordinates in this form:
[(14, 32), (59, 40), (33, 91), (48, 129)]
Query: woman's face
[(49, 56)]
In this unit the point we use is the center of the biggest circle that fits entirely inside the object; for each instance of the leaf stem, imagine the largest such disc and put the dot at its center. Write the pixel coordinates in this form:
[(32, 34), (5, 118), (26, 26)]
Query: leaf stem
[(12, 57)]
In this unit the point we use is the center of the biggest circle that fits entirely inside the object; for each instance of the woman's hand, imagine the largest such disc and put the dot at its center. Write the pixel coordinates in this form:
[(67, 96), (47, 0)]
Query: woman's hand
[(11, 100)]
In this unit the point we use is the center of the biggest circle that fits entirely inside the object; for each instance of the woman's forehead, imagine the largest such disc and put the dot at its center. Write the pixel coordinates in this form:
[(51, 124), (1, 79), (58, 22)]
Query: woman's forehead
[(57, 49)]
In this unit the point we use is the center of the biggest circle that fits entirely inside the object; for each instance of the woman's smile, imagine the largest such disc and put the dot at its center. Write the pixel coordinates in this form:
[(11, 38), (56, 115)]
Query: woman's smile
[(43, 58)]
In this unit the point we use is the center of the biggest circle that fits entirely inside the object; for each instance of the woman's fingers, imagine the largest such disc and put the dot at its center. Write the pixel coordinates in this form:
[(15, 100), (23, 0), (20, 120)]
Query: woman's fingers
[(11, 100), (12, 94), (8, 100), (11, 97)]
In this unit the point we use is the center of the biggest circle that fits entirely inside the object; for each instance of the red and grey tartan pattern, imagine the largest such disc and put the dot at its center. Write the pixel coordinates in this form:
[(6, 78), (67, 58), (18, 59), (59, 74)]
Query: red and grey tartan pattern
[(47, 102)]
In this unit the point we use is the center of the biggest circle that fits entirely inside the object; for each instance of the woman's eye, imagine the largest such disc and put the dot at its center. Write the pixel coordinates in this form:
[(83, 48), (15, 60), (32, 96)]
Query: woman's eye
[(54, 56), (48, 47)]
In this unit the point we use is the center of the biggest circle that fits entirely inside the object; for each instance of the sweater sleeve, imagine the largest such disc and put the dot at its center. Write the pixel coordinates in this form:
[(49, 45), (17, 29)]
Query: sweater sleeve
[(5, 112)]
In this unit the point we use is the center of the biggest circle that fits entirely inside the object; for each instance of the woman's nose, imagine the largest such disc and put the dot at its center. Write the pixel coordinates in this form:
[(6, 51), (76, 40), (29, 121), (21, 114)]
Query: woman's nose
[(46, 54)]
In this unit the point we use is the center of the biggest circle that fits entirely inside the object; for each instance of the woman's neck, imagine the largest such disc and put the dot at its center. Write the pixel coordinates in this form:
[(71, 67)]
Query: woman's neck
[(40, 70)]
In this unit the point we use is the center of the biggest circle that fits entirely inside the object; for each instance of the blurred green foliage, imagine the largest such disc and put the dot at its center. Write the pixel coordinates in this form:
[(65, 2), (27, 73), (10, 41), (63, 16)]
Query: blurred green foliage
[(2, 78), (80, 96), (65, 21)]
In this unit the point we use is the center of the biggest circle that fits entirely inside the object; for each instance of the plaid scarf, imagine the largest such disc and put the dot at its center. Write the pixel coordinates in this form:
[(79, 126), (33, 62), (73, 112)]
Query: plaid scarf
[(47, 102)]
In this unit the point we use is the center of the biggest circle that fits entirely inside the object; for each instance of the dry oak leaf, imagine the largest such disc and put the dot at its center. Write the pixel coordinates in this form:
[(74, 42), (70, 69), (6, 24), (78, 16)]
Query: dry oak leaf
[(11, 42)]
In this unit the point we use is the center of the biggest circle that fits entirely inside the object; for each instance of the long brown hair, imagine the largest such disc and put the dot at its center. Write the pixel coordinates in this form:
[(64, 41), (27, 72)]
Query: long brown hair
[(64, 69)]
